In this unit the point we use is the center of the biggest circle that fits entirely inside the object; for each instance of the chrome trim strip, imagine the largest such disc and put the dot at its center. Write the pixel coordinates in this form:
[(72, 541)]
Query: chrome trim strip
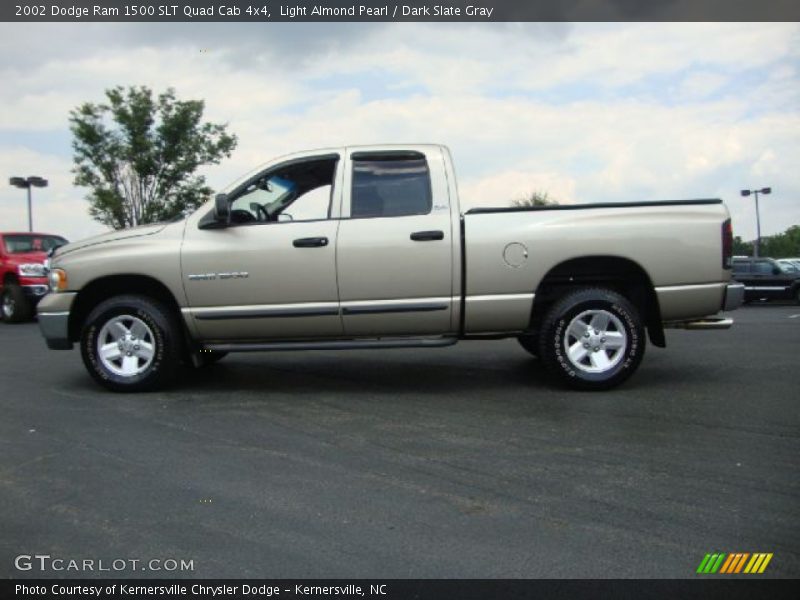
[(767, 288), (61, 313), (692, 286), (496, 297)]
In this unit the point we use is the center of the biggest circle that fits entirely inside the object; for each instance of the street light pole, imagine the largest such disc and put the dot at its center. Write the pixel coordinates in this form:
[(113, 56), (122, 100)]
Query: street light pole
[(766, 190), (28, 183)]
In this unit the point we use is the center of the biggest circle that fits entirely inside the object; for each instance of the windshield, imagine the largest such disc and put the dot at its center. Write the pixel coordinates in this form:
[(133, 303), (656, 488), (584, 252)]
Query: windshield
[(789, 267), (22, 243)]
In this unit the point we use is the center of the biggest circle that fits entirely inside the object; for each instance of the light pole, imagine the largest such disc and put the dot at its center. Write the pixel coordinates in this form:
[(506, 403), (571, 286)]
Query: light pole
[(28, 183), (766, 190)]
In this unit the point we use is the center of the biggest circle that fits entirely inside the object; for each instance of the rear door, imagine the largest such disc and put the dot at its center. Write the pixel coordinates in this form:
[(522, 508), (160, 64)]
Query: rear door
[(395, 246)]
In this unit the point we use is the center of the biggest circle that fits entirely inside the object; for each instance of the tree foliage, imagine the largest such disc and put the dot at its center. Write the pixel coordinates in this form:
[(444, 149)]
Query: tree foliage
[(781, 245), (138, 155), (535, 198)]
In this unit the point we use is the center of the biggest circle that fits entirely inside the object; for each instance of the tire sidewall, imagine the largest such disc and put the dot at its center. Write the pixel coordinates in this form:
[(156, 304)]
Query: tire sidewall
[(163, 359), (594, 300)]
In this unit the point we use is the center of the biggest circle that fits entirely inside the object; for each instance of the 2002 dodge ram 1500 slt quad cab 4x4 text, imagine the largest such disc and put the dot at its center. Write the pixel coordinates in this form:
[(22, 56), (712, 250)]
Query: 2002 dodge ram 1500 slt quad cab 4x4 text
[(366, 247)]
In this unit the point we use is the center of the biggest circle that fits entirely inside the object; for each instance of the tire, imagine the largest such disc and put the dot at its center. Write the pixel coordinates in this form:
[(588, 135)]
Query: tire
[(530, 343), (14, 306), (148, 344), (611, 334)]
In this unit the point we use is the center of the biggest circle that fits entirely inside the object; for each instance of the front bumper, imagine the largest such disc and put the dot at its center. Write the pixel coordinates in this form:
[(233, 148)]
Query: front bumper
[(53, 314), (34, 292), (734, 296)]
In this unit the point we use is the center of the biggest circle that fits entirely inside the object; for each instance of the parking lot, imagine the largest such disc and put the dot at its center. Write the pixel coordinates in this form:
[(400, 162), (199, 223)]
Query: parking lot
[(462, 462)]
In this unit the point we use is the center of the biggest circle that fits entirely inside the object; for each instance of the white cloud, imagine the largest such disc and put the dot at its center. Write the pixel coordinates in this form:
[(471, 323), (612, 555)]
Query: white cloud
[(589, 112)]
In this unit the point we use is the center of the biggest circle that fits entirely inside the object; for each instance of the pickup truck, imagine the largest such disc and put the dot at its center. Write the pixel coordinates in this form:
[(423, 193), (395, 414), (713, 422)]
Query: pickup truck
[(367, 247), (23, 280)]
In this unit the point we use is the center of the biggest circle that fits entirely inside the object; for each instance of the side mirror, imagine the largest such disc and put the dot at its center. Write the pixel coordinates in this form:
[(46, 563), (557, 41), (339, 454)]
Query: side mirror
[(776, 270), (222, 210)]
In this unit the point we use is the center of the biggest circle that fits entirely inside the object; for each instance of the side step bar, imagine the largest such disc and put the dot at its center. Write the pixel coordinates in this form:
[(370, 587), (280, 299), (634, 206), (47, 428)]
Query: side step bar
[(707, 323), (335, 345)]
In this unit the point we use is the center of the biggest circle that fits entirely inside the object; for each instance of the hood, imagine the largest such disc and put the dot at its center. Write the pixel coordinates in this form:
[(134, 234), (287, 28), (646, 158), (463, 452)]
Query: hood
[(26, 257), (111, 236)]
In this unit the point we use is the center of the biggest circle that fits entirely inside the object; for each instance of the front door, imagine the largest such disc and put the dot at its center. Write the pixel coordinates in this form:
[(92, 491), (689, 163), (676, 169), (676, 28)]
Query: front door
[(271, 274)]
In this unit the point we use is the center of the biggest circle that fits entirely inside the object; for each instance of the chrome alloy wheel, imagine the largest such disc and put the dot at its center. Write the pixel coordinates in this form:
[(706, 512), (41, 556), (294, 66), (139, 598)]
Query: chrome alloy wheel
[(595, 341), (126, 346)]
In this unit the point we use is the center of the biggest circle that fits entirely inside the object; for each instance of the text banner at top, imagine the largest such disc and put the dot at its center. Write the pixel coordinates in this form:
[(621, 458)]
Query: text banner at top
[(410, 10)]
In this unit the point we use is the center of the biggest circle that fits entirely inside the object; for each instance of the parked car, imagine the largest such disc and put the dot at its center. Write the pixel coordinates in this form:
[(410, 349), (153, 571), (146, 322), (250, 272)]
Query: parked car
[(23, 280), (791, 265), (367, 247), (767, 279)]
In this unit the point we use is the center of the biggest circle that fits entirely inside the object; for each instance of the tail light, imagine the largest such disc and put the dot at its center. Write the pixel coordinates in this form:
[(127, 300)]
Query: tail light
[(727, 244)]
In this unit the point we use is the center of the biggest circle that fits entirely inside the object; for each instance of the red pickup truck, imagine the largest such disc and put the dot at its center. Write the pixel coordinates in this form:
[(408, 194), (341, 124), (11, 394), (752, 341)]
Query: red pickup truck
[(23, 276)]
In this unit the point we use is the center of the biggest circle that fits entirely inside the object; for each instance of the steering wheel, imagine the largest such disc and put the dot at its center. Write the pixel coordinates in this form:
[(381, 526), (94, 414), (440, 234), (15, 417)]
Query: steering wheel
[(242, 216), (263, 215)]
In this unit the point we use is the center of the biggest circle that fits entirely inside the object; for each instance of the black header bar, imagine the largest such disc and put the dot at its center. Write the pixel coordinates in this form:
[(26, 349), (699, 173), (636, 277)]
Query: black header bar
[(399, 589), (264, 11)]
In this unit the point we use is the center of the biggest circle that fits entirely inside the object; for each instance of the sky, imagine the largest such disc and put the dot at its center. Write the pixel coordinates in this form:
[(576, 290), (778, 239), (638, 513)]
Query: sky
[(595, 112)]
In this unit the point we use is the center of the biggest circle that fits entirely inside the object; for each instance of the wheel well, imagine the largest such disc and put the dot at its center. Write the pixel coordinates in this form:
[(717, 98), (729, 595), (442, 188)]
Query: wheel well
[(622, 275), (106, 287), (9, 278)]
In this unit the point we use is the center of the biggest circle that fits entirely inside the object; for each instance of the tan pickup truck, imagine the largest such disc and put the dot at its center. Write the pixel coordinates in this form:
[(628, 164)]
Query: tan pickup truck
[(366, 247)]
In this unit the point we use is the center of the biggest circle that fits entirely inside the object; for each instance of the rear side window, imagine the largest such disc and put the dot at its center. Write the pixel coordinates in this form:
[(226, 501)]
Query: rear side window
[(390, 187), (741, 267)]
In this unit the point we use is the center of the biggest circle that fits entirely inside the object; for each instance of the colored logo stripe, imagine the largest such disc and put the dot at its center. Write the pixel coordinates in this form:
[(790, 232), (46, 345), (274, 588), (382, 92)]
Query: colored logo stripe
[(735, 563)]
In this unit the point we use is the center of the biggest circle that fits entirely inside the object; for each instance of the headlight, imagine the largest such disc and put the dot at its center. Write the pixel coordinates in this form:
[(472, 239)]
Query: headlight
[(32, 270), (57, 279)]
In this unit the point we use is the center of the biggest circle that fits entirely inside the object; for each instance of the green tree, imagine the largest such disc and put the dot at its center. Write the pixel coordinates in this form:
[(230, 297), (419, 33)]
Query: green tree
[(535, 198), (138, 155), (782, 245)]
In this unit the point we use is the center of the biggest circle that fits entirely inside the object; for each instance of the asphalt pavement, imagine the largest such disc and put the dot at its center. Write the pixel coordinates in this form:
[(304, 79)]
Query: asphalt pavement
[(459, 462)]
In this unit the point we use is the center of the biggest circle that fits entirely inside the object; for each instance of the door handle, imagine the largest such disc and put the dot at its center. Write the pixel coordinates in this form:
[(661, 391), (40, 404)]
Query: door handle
[(310, 242), (427, 236)]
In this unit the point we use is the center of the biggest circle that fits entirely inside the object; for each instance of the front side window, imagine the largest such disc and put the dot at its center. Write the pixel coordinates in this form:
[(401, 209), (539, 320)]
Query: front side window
[(763, 267), (299, 191), (390, 187)]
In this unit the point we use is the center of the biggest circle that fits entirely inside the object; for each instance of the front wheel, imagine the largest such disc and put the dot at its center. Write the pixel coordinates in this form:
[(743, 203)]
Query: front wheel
[(592, 339), (131, 344), (14, 305)]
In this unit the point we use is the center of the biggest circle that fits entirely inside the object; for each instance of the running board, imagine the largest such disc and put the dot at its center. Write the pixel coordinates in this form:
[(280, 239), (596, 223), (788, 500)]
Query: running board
[(335, 345), (708, 323)]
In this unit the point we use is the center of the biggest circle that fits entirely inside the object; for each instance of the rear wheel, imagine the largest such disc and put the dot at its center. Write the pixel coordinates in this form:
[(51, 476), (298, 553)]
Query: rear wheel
[(592, 339), (131, 344), (14, 305)]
